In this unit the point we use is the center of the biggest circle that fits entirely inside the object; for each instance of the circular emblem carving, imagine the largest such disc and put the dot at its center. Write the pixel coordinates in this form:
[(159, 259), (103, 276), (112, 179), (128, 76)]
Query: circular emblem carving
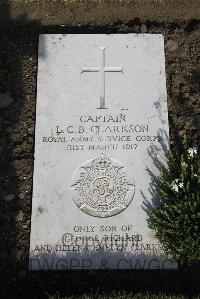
[(100, 187)]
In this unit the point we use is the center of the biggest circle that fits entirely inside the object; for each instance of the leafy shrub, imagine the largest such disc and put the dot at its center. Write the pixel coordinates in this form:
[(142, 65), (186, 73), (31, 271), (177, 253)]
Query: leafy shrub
[(175, 214)]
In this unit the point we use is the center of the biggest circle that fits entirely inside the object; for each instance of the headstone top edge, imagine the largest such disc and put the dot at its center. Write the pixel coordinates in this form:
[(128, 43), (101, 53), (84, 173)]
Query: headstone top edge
[(159, 35)]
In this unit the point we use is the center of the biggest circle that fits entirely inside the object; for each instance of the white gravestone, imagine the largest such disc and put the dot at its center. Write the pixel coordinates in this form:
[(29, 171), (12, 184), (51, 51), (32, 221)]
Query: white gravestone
[(101, 117)]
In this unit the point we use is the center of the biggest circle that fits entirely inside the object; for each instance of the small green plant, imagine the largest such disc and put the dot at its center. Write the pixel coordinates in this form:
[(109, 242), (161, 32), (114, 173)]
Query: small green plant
[(175, 213)]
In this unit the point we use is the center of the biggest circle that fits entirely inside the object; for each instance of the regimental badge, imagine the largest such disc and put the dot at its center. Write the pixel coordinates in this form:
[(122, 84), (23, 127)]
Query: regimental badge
[(100, 187)]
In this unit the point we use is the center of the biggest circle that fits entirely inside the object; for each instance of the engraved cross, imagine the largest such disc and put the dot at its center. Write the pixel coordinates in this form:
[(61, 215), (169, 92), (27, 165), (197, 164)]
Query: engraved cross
[(102, 70)]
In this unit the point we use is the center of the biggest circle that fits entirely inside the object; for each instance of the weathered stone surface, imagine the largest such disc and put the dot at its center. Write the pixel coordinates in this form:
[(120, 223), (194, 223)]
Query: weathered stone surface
[(101, 123)]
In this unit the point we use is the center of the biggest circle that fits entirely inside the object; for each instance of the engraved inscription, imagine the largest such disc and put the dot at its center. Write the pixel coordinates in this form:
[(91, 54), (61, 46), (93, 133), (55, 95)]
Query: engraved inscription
[(100, 187), (102, 70)]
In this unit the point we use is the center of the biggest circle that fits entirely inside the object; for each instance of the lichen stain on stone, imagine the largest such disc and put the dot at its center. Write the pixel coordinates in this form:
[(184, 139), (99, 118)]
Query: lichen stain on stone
[(41, 209)]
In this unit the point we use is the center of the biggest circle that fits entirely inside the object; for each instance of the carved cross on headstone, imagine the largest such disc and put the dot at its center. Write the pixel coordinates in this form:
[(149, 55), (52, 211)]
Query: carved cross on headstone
[(102, 70)]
